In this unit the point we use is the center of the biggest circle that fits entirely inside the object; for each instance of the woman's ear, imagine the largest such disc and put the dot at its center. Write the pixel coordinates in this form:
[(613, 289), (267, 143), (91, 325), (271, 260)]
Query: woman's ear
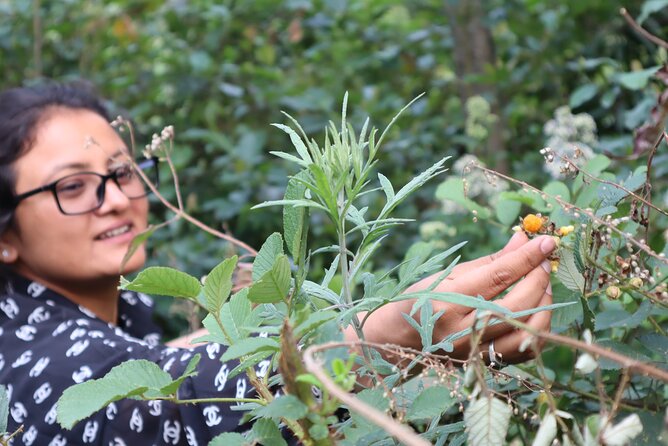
[(8, 253)]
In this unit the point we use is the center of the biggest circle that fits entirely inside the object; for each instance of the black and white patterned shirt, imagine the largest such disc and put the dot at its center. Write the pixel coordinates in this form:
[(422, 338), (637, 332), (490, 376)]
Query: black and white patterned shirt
[(48, 343)]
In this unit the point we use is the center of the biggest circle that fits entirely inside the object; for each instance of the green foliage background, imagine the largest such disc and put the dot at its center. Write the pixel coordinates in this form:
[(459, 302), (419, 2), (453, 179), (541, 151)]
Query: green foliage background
[(221, 72)]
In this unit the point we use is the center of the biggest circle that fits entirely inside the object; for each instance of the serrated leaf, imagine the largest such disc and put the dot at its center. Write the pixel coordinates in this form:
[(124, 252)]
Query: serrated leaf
[(172, 387), (286, 406), (128, 379), (266, 432), (229, 439), (218, 284), (430, 403), (274, 285), (4, 409), (487, 421), (547, 431), (249, 346), (165, 281), (270, 250), (568, 272)]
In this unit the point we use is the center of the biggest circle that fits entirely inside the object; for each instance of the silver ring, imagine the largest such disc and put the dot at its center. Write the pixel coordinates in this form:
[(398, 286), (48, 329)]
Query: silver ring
[(493, 360)]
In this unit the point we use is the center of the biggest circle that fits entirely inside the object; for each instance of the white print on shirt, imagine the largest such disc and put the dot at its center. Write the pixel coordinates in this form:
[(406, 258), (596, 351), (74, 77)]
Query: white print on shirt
[(87, 312), (82, 374), (29, 436), (241, 388), (168, 364), (95, 334), (171, 433), (117, 442), (77, 348), (42, 393), (61, 328), (112, 410), (212, 350), (18, 412), (2, 362), (130, 298), (221, 378), (190, 436), (39, 366), (136, 421), (26, 332), (9, 307), (25, 358), (50, 417), (152, 339), (36, 289), (212, 416), (262, 368), (38, 315), (77, 333), (145, 299), (58, 440), (156, 407), (90, 432)]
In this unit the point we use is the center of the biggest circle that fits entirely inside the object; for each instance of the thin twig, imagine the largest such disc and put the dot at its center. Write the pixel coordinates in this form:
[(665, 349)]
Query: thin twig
[(399, 431), (642, 31)]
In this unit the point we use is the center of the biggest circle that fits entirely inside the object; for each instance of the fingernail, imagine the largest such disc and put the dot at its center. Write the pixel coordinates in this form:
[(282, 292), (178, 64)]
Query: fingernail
[(547, 245), (546, 266), (548, 290)]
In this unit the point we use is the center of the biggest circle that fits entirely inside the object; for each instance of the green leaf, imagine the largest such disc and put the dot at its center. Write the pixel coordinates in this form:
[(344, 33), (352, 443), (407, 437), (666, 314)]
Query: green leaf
[(131, 378), (582, 94), (649, 8), (249, 346), (271, 249), (137, 241), (171, 388), (229, 439), (313, 321), (4, 409), (266, 432), (453, 189), (301, 148), (554, 189), (507, 211), (218, 284), (318, 431), (547, 431), (487, 421), (636, 80), (165, 281), (387, 187), (568, 272), (286, 406), (430, 403), (274, 285), (294, 217)]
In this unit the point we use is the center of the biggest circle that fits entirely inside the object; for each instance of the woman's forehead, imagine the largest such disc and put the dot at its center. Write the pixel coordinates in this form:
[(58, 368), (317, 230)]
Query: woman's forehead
[(66, 141)]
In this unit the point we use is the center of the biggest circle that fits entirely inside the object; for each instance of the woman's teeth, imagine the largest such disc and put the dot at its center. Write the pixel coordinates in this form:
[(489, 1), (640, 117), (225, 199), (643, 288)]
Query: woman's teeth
[(115, 232)]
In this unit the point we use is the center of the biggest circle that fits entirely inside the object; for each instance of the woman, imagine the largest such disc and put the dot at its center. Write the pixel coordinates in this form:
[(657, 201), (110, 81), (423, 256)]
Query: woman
[(69, 207)]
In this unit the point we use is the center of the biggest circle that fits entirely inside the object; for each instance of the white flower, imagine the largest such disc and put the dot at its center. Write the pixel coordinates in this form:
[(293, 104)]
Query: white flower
[(586, 364), (623, 432)]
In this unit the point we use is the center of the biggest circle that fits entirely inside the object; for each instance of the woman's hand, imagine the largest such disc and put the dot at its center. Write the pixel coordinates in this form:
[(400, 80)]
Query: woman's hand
[(521, 263)]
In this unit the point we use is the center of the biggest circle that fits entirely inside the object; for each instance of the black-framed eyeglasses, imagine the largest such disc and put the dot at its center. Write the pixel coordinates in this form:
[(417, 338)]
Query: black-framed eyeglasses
[(83, 192)]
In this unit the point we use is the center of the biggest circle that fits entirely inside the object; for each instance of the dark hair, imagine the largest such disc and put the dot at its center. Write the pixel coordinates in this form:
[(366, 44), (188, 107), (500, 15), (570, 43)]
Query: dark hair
[(21, 111)]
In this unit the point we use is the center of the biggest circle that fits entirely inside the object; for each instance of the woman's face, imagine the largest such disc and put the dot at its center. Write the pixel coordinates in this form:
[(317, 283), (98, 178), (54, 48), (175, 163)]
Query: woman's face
[(58, 248)]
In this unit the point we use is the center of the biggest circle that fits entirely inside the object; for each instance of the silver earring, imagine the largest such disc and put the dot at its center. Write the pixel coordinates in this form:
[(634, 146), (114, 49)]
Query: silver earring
[(5, 253)]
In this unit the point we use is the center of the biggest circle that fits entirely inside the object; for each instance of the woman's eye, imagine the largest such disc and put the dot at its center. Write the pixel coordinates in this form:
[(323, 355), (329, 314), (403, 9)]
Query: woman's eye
[(70, 188), (124, 174)]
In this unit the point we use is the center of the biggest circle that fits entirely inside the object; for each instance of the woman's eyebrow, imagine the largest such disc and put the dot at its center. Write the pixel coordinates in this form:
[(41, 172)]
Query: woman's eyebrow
[(60, 167)]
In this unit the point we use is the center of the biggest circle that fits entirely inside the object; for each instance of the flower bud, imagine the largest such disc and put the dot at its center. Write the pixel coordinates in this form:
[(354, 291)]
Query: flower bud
[(613, 292), (636, 282)]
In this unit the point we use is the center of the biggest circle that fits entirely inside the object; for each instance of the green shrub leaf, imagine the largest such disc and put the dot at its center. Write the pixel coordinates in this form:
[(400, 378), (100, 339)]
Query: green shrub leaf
[(165, 281), (487, 421), (274, 285), (218, 284)]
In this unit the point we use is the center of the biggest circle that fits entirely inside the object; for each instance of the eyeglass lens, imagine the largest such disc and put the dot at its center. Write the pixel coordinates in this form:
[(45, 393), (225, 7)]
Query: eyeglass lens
[(84, 192)]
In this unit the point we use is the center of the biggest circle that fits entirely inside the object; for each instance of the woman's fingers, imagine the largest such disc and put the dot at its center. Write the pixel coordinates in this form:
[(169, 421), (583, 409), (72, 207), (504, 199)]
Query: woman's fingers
[(517, 240), (527, 294), (491, 279), (507, 346)]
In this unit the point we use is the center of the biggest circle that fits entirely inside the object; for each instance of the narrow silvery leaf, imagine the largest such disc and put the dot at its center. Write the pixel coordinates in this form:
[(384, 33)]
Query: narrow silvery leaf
[(4, 409), (296, 141), (387, 187), (293, 217), (546, 432)]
